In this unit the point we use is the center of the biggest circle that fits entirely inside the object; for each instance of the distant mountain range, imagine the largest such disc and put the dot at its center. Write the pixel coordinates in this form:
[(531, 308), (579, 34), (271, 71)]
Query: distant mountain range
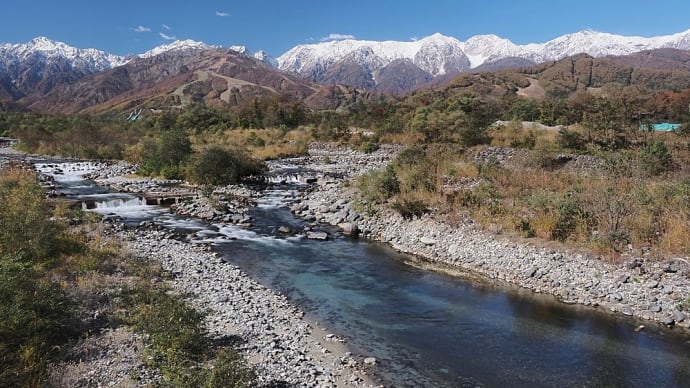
[(49, 75), (398, 67)]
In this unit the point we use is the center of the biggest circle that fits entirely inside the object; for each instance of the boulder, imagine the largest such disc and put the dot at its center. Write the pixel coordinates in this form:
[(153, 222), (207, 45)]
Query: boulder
[(427, 240), (349, 228), (679, 316)]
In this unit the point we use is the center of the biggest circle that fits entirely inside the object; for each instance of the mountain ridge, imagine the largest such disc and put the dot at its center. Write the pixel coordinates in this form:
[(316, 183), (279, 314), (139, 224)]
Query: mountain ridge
[(438, 54), (40, 65)]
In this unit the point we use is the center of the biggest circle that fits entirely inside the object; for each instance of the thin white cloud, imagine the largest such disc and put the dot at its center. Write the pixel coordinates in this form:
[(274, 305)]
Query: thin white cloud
[(167, 27), (167, 37), (336, 37), (222, 14), (414, 39), (141, 29)]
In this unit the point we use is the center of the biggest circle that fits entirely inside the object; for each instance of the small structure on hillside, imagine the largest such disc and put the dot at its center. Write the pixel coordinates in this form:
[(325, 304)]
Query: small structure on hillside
[(134, 115), (660, 127)]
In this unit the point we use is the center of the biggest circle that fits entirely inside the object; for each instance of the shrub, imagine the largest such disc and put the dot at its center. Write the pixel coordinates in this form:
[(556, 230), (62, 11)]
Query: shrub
[(231, 370), (377, 186), (178, 344), (569, 211), (222, 166), (655, 159), (168, 155), (524, 226), (409, 208), (570, 140), (368, 147)]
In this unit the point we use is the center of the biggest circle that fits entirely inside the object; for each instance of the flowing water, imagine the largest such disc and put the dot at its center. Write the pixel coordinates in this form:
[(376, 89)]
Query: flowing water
[(426, 328)]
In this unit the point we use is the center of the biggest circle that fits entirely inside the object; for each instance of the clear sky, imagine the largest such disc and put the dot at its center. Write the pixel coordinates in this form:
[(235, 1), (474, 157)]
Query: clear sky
[(132, 27)]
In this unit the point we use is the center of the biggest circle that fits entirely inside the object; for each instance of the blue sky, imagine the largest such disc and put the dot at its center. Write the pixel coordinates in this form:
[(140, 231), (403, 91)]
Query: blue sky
[(132, 27)]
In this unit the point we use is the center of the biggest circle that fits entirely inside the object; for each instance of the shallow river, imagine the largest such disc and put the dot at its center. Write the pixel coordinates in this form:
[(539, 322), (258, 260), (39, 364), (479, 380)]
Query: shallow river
[(426, 328)]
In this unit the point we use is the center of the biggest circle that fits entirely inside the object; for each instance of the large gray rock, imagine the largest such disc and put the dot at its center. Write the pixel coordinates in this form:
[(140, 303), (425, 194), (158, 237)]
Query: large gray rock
[(679, 316), (349, 228), (428, 241)]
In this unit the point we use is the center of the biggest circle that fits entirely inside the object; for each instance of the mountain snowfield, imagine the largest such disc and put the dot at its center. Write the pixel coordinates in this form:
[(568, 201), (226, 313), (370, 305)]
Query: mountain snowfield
[(438, 54)]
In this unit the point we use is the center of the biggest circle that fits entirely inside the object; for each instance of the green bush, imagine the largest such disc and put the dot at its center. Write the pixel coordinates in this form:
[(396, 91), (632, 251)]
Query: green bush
[(569, 213), (570, 140), (655, 159), (220, 166), (178, 344), (410, 208), (231, 370), (379, 185), (168, 155), (368, 147)]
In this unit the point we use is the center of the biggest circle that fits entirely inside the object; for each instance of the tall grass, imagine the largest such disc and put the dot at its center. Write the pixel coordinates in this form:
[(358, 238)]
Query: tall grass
[(631, 199)]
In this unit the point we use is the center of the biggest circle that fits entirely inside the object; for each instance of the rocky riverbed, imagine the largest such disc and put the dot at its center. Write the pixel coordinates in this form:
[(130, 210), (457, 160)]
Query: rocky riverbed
[(287, 347), (639, 286), (273, 334)]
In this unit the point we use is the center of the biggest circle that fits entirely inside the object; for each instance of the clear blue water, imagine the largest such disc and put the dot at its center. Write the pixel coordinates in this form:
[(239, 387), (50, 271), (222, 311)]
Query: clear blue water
[(430, 329)]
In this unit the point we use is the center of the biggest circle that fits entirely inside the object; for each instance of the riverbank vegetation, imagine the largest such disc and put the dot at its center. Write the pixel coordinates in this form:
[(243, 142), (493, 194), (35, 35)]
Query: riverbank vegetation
[(578, 165), (62, 281)]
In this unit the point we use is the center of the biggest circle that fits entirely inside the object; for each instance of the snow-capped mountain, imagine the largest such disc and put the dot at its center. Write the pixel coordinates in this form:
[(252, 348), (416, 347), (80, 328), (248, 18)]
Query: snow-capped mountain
[(438, 54), (432, 54), (42, 47), (261, 55), (176, 46), (266, 58), (41, 63), (390, 66)]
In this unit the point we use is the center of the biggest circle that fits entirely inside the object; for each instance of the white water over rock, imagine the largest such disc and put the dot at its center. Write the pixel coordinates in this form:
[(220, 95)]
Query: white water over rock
[(68, 171)]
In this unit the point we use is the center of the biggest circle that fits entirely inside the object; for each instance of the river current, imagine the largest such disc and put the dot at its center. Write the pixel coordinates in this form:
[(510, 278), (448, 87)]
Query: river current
[(424, 328)]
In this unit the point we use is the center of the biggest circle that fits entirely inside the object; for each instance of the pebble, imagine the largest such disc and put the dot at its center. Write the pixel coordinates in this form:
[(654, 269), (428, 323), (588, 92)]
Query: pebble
[(276, 336)]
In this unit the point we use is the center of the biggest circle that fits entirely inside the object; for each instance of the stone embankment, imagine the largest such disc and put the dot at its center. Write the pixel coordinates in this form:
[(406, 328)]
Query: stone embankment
[(642, 287)]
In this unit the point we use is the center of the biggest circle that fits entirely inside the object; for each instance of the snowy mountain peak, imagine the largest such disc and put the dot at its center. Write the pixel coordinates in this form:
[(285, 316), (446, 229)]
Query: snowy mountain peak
[(239, 48), (438, 54), (41, 47), (178, 45), (44, 44), (266, 58), (432, 53)]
